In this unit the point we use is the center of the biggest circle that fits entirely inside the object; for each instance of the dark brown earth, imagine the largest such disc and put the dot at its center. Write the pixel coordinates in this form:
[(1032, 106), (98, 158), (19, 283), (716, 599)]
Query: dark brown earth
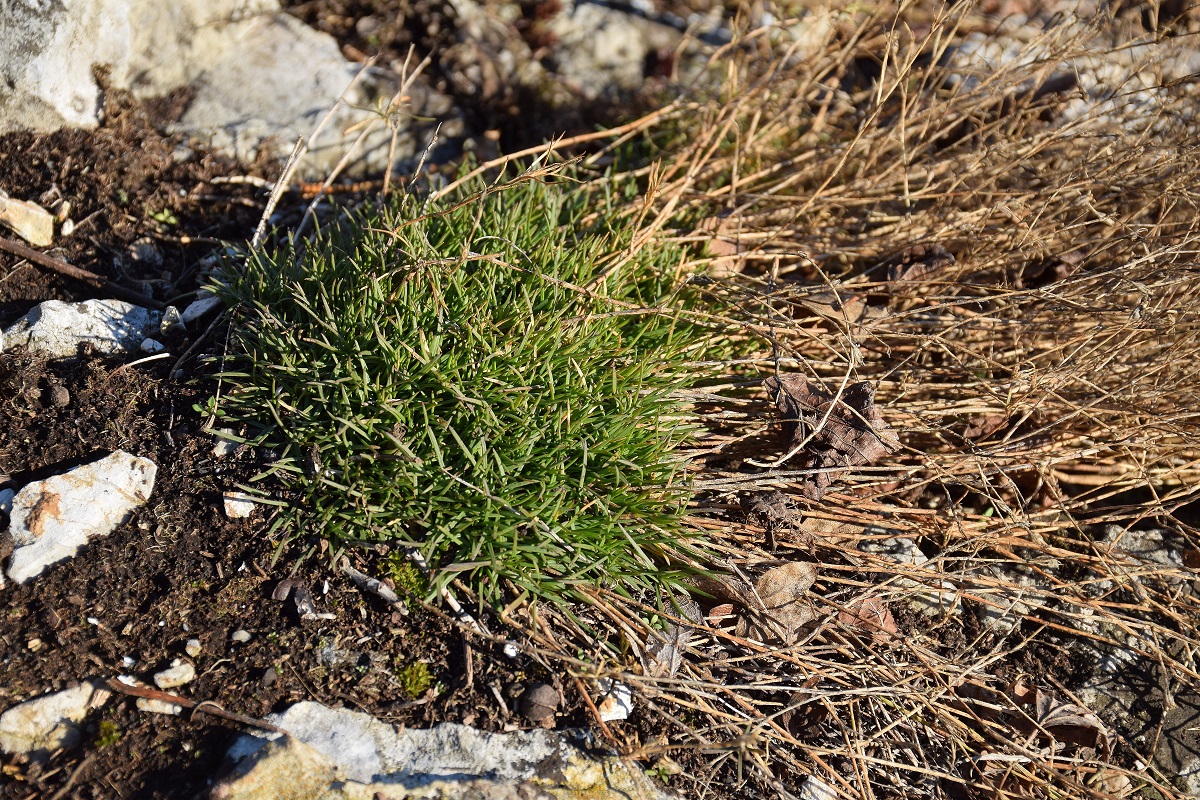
[(178, 569)]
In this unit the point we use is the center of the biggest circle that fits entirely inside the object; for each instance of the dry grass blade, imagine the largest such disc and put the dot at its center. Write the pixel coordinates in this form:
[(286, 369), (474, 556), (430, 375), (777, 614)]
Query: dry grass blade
[(1004, 246)]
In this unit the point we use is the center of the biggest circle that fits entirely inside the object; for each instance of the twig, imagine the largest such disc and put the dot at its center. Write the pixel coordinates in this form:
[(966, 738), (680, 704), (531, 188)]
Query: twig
[(66, 787), (205, 707), (376, 587), (71, 271)]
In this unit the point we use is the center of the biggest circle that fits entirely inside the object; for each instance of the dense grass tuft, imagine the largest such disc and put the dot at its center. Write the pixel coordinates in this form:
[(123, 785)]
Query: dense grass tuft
[(441, 376)]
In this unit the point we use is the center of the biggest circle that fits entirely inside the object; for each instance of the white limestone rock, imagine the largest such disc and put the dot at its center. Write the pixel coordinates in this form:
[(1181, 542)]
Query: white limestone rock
[(931, 596), (52, 519), (51, 722), (58, 329), (152, 705), (615, 701), (198, 308), (179, 673), (238, 505), (342, 753), (261, 77)]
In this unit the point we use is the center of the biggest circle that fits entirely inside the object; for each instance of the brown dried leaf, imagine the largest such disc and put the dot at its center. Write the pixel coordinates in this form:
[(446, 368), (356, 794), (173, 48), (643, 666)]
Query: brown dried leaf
[(665, 648), (919, 262), (850, 309), (982, 426), (719, 613), (871, 614), (782, 607), (720, 247), (854, 434), (1064, 721), (777, 512)]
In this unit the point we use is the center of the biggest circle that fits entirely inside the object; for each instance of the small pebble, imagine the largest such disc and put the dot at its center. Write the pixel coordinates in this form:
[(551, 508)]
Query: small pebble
[(269, 677), (34, 645), (158, 706), (240, 636), (539, 702), (192, 648), (128, 662), (510, 650), (616, 700), (59, 396), (179, 673)]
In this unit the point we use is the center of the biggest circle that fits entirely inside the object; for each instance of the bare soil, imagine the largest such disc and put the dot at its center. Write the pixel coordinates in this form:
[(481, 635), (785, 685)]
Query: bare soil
[(148, 215)]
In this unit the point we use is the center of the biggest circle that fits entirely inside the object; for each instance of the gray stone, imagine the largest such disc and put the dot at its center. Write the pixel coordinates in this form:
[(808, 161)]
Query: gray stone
[(1126, 692), (51, 722), (58, 329), (1013, 593), (260, 77), (1151, 547), (198, 308), (600, 48), (341, 753), (932, 596), (53, 519)]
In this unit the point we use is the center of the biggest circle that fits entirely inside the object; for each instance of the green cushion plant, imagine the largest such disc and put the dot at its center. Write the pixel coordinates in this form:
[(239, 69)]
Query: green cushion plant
[(491, 379)]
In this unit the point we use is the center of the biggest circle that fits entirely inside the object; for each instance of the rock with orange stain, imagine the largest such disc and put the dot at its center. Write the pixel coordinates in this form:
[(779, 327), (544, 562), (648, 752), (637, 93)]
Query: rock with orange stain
[(52, 519)]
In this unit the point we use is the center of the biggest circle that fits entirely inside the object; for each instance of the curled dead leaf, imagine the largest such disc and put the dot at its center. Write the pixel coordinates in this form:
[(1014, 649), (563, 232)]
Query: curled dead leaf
[(781, 518), (982, 426), (851, 433), (664, 649), (1065, 722), (871, 614), (918, 262), (781, 609)]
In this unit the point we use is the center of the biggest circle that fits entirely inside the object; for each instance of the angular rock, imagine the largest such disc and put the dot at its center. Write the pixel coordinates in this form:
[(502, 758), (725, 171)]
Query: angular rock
[(238, 505), (52, 519), (30, 221), (198, 308), (615, 701), (261, 78), (51, 722), (179, 673), (342, 754), (58, 329)]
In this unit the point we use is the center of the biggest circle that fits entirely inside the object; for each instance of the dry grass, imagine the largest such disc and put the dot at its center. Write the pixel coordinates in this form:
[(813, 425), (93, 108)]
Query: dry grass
[(1069, 322)]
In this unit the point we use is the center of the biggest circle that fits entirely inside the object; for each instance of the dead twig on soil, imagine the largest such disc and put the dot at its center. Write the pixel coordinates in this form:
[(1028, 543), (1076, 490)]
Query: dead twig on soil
[(203, 707), (71, 271)]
